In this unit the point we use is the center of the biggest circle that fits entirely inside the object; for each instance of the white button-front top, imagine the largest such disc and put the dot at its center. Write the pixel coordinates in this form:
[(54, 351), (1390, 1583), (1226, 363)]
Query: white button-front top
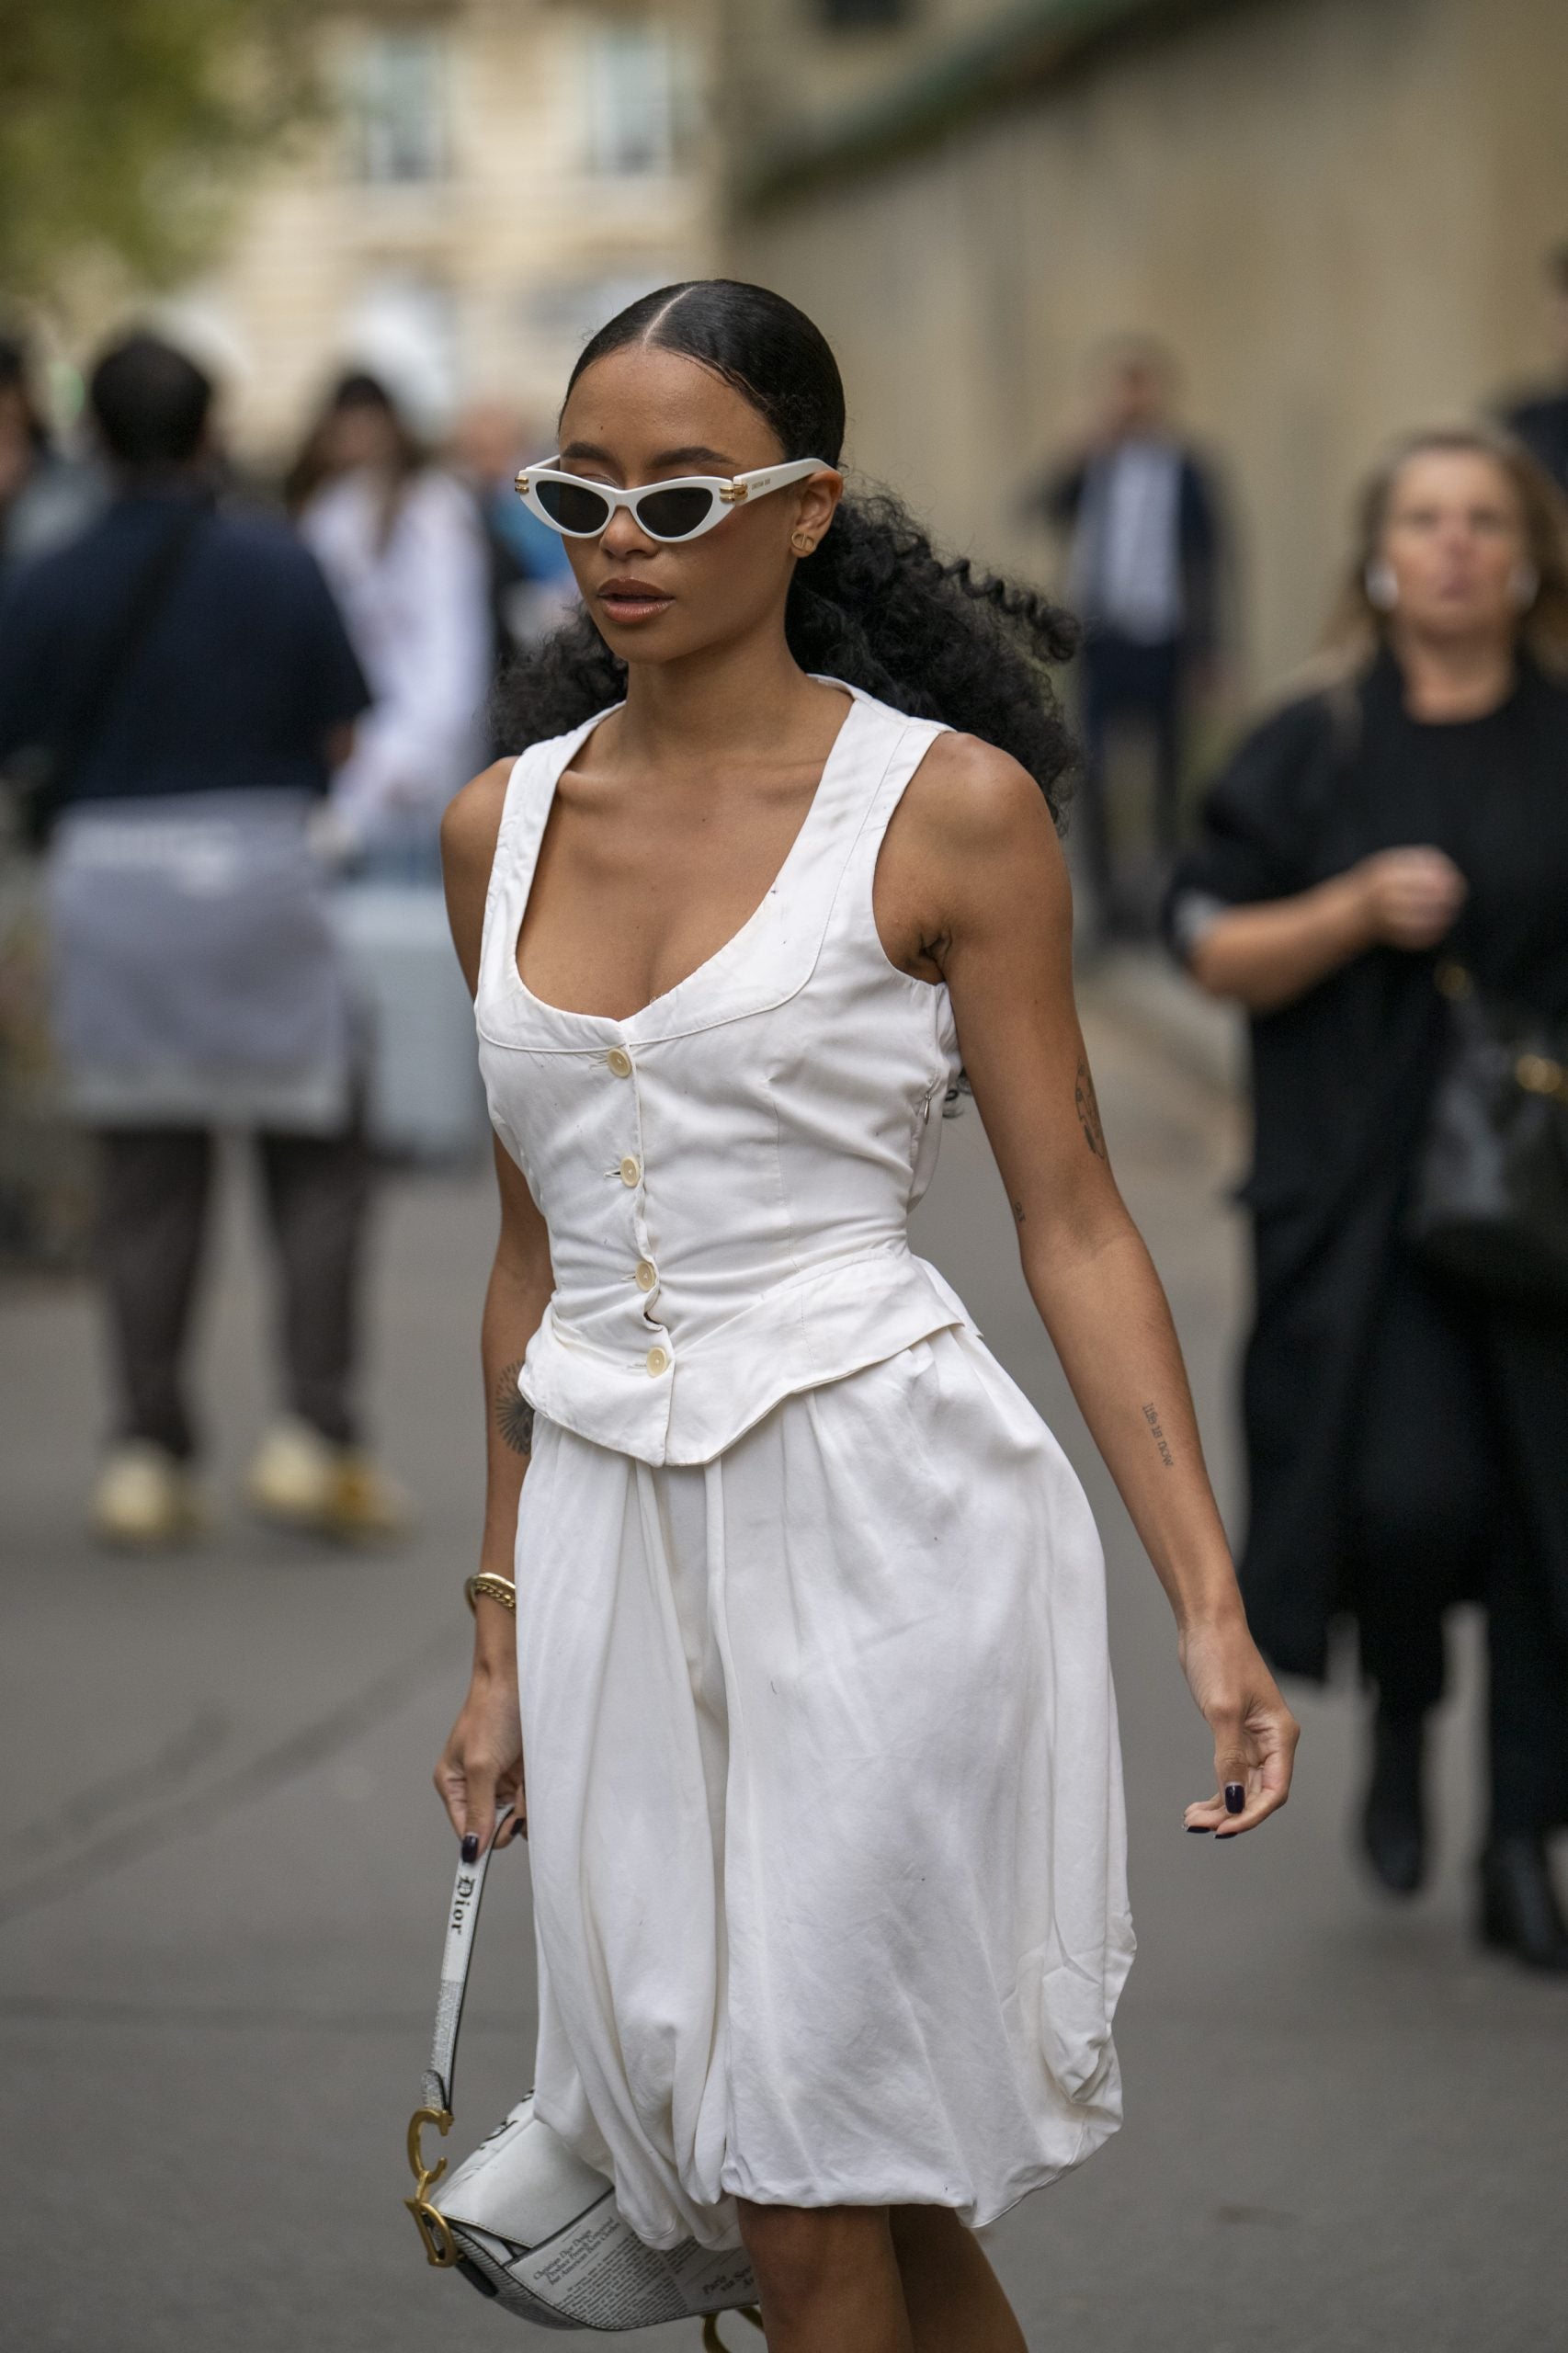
[(777, 1119)]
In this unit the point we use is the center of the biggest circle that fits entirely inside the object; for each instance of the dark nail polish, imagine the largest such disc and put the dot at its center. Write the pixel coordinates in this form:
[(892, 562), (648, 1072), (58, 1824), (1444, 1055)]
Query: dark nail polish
[(1197, 1830), (471, 1848), (1235, 1797)]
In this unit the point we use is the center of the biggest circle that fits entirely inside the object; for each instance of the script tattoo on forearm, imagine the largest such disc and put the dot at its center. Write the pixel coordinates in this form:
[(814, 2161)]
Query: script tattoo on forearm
[(1157, 1433), (514, 1415), (1089, 1112)]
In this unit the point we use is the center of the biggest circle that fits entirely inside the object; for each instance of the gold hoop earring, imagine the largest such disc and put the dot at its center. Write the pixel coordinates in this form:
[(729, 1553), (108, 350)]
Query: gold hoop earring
[(802, 543)]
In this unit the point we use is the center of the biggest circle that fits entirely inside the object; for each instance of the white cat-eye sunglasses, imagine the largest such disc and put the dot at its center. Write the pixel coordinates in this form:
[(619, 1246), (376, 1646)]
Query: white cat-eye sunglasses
[(682, 510)]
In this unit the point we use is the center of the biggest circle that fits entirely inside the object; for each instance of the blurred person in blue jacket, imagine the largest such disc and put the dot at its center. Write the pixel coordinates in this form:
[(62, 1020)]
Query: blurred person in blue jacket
[(532, 584), (175, 687), (46, 496)]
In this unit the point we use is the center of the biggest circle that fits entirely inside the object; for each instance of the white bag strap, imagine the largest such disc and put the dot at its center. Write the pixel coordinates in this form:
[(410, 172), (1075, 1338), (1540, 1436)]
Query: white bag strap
[(436, 2097), (457, 1955)]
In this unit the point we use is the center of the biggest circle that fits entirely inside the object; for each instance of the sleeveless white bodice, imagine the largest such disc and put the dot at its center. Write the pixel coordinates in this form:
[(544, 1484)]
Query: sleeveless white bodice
[(727, 1175)]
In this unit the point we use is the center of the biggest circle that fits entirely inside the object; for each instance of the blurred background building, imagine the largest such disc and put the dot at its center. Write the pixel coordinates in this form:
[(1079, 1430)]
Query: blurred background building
[(1333, 212), (469, 187), (495, 179)]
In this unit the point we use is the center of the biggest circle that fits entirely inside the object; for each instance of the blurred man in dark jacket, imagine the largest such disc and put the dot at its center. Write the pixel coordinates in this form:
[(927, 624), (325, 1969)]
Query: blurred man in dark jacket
[(1143, 576), (1542, 421), (174, 687)]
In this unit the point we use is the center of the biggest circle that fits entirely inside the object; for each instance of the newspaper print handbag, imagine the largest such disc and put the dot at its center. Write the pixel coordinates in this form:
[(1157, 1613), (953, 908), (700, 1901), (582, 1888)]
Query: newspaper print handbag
[(525, 2221)]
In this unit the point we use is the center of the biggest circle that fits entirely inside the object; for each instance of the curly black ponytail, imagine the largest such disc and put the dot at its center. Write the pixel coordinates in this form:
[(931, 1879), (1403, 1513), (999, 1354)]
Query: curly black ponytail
[(875, 605)]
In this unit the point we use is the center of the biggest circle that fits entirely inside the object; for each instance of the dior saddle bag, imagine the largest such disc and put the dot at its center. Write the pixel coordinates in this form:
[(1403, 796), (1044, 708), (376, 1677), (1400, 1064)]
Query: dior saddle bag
[(525, 2221)]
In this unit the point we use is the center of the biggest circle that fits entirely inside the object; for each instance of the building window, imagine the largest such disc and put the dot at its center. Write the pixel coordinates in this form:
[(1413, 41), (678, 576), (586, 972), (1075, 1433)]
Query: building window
[(395, 100), (863, 16), (638, 83)]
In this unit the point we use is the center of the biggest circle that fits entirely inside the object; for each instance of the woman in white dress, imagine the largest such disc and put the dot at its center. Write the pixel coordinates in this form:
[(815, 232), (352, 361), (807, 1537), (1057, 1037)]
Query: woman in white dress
[(404, 555), (823, 1794)]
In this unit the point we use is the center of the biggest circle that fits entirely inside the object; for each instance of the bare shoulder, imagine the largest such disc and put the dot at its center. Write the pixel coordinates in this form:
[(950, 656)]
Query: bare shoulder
[(471, 820), (969, 805), (469, 825)]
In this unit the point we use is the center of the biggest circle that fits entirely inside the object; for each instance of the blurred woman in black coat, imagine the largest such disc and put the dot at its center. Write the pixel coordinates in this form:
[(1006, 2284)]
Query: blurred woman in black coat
[(1407, 1440)]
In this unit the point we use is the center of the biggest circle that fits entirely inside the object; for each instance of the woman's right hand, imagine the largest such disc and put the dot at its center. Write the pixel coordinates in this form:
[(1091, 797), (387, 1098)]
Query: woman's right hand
[(481, 1764), (1411, 896)]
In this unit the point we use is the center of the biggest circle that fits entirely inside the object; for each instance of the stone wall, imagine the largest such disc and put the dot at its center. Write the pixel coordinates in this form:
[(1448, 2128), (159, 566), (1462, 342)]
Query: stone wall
[(1333, 211)]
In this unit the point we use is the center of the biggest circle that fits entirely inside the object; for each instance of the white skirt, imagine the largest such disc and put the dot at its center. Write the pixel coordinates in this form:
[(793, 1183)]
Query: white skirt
[(824, 1805)]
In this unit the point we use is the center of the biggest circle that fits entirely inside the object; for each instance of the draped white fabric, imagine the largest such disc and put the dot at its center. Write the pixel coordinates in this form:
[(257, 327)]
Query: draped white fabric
[(824, 1805)]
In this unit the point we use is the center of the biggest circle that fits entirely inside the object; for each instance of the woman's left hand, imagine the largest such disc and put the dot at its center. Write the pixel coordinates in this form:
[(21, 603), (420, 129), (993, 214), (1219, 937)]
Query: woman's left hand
[(1255, 1732)]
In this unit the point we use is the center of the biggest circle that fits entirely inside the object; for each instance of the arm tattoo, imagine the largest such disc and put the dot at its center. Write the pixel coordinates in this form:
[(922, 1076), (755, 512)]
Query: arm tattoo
[(514, 1415), (1017, 1212), (1157, 1433), (1089, 1112)]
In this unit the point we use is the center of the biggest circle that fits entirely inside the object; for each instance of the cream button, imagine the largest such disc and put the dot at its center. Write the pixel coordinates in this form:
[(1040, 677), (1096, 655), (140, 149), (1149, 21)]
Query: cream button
[(647, 1274), (630, 1170), (658, 1360), (619, 1062)]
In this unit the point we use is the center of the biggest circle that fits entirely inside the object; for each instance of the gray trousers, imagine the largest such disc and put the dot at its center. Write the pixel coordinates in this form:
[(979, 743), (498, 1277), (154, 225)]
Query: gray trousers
[(156, 1186)]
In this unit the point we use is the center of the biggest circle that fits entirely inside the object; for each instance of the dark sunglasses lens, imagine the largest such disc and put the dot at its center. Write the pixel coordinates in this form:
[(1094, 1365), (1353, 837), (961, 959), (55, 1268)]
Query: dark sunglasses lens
[(674, 514), (574, 505)]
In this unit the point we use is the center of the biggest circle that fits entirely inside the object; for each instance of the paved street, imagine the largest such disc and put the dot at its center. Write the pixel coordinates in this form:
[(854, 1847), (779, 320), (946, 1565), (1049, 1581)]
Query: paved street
[(222, 1877)]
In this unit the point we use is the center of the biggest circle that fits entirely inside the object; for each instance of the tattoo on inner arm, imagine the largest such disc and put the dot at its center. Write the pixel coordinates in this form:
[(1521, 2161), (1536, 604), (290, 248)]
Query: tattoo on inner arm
[(1017, 1212), (1157, 1433), (514, 1415), (1088, 1112)]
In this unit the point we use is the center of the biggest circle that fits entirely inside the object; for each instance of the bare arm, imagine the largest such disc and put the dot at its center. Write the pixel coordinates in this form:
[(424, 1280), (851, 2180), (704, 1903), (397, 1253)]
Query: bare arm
[(483, 1761), (1268, 955), (1003, 941)]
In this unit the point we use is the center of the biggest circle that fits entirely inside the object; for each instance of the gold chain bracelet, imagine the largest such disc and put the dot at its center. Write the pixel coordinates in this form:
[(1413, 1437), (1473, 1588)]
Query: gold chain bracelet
[(494, 1588)]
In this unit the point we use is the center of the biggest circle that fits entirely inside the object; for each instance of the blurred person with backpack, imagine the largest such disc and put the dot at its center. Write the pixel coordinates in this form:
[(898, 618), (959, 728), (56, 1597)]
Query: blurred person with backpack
[(175, 686)]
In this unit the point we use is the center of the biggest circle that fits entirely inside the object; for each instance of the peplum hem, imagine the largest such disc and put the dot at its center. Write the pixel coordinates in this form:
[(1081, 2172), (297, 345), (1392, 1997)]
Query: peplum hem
[(825, 1325)]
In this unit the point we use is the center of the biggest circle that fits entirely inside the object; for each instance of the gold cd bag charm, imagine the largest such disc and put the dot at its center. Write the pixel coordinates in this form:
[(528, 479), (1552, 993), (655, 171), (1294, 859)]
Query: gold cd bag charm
[(525, 2220)]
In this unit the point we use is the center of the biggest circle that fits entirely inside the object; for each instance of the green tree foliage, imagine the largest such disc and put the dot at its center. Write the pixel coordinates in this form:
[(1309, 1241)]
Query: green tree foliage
[(124, 124)]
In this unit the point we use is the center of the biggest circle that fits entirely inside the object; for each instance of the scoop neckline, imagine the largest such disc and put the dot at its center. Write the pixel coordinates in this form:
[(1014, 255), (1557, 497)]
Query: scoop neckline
[(794, 856)]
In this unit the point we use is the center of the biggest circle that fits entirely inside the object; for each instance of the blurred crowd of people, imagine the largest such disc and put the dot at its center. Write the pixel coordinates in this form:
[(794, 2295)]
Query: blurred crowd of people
[(226, 713), (235, 719), (1378, 879), (1140, 511)]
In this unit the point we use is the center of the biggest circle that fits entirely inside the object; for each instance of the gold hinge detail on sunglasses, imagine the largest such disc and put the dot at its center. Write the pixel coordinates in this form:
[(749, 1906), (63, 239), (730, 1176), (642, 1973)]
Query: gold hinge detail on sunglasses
[(736, 491)]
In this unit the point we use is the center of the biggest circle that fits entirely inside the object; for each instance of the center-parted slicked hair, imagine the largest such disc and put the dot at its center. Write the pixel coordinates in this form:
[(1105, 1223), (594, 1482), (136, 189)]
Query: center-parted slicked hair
[(875, 605)]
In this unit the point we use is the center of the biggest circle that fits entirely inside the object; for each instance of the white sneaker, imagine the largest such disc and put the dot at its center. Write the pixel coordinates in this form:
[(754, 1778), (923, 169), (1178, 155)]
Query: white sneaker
[(300, 1478), (144, 1499)]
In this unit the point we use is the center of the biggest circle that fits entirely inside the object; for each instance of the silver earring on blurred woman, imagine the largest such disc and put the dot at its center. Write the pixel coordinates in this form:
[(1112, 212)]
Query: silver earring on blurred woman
[(1382, 588)]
